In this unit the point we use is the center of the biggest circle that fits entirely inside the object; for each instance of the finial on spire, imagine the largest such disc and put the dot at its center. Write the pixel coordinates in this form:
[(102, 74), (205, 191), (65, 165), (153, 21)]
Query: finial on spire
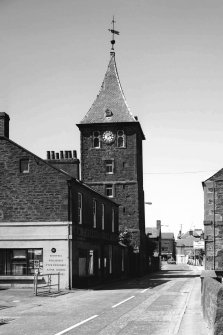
[(114, 32)]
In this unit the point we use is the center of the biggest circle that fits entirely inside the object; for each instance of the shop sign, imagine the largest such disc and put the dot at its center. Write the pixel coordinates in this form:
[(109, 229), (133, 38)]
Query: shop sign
[(198, 245)]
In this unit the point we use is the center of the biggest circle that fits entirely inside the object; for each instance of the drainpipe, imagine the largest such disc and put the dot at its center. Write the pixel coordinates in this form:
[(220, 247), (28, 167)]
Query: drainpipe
[(214, 226), (69, 218)]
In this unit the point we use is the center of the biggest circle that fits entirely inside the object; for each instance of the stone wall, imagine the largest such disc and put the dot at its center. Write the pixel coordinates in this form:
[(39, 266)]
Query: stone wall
[(39, 194), (213, 223), (212, 304)]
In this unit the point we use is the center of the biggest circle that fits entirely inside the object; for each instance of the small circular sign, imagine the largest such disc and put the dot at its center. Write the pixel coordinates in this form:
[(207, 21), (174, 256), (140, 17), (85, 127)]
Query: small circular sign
[(53, 250)]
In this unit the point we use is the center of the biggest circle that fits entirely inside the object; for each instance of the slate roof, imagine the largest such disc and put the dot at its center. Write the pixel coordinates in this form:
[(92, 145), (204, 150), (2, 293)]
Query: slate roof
[(186, 242), (110, 98), (167, 236), (152, 231)]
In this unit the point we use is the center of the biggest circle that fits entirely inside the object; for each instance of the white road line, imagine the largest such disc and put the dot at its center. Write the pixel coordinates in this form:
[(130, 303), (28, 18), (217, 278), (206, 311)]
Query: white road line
[(122, 302), (76, 325), (144, 290)]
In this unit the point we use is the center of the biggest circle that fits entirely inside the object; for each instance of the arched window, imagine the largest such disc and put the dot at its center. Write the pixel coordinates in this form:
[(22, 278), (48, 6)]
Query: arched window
[(121, 139), (96, 139)]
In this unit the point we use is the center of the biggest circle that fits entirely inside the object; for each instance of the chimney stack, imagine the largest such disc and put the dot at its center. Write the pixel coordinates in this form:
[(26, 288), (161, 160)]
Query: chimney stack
[(4, 124)]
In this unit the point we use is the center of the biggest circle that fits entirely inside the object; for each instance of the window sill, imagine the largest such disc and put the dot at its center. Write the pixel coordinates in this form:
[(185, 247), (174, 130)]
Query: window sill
[(7, 278)]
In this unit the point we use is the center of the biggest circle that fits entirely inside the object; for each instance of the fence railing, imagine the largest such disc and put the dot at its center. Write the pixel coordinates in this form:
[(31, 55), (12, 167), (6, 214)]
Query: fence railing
[(46, 283)]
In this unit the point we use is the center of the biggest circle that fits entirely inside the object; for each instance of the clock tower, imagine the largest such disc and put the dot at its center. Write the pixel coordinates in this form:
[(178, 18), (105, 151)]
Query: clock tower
[(111, 155)]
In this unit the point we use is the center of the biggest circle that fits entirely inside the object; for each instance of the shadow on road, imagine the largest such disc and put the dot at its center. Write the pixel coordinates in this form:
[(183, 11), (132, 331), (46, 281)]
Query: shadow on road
[(148, 281), (135, 283)]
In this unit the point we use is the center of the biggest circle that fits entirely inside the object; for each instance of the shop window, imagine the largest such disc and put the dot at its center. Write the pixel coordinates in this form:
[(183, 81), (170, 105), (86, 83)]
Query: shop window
[(94, 213), (102, 216), (96, 139), (121, 139), (24, 165), (21, 262), (79, 208), (109, 190), (109, 165)]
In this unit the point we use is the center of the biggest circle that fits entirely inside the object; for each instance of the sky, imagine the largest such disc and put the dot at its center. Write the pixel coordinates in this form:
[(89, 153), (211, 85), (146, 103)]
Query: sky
[(54, 54)]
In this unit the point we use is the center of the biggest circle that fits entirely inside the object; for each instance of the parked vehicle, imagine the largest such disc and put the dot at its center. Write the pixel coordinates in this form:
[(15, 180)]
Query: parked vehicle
[(171, 261)]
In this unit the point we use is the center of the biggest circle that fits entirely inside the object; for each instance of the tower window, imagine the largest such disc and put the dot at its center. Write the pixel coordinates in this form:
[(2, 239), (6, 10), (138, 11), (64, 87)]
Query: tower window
[(96, 139), (24, 165), (109, 165), (109, 190), (121, 139)]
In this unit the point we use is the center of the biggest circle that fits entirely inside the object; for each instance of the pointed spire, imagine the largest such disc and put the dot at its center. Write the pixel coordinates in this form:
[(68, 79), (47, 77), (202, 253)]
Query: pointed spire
[(110, 104), (110, 98)]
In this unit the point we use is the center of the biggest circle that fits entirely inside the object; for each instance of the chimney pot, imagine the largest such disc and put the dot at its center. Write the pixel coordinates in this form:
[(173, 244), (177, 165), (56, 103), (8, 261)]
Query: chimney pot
[(52, 154), (4, 124), (57, 155), (48, 154)]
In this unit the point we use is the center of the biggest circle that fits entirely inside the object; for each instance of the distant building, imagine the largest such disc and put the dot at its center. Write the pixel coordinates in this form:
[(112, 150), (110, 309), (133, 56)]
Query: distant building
[(186, 246), (165, 242), (167, 246), (213, 221)]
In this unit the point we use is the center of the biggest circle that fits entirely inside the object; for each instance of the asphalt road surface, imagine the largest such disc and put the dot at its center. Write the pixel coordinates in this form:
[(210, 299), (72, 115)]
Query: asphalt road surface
[(153, 304)]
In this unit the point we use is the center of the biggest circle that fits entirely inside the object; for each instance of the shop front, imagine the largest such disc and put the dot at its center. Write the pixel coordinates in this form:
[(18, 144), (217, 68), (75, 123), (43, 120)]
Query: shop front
[(24, 255)]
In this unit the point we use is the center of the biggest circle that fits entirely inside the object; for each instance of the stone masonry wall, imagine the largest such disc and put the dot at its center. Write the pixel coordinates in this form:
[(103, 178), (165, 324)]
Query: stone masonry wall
[(212, 304), (213, 224), (127, 177), (39, 195)]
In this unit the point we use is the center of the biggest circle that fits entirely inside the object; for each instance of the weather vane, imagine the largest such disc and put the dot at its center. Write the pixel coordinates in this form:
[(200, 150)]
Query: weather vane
[(114, 32)]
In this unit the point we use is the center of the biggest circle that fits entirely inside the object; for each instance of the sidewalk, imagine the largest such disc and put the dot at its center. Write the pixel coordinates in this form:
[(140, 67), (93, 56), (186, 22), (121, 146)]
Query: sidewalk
[(192, 322)]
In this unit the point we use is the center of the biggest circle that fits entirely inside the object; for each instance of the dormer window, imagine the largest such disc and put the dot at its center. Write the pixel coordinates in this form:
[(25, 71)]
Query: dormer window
[(108, 113), (96, 139), (121, 139)]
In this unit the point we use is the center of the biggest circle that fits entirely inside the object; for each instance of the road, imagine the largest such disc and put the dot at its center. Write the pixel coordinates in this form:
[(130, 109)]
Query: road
[(153, 304)]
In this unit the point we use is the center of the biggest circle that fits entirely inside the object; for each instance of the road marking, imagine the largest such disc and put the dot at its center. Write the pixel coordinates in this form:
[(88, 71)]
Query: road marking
[(122, 302), (76, 325), (144, 290)]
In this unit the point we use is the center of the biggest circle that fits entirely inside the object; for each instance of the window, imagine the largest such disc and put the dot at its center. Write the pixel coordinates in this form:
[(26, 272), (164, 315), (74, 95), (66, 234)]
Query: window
[(120, 139), (79, 208), (109, 190), (87, 262), (24, 165), (20, 262), (102, 216), (110, 259), (109, 164), (96, 139), (94, 213), (108, 113), (113, 220)]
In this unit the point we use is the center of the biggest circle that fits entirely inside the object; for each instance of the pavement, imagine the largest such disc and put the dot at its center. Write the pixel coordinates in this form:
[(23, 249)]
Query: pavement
[(192, 322)]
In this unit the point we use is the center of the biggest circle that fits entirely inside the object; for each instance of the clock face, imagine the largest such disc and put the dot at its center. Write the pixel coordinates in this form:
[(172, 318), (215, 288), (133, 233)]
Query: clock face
[(108, 136)]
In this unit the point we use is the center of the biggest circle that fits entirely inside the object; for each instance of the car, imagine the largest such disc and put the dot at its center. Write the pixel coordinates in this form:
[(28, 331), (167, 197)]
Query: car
[(171, 261)]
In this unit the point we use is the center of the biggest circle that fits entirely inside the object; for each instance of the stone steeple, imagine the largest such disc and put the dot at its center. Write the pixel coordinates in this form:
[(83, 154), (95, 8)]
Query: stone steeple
[(110, 104)]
